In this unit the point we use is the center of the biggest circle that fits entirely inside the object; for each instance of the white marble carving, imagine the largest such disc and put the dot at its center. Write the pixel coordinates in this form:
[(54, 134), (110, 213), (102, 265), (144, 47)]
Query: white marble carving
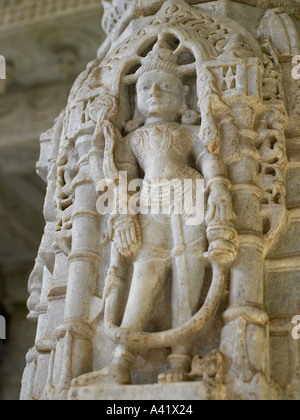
[(141, 305)]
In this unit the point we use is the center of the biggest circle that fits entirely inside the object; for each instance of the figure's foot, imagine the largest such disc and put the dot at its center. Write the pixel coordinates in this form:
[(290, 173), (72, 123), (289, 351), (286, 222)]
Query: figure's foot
[(111, 375), (173, 375), (180, 366)]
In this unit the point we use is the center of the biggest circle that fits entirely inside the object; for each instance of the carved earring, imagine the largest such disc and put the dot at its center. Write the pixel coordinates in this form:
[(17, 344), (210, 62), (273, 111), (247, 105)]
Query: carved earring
[(189, 116), (132, 125)]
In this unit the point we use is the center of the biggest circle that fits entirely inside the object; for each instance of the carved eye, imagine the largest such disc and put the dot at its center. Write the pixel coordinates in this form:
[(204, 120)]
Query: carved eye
[(166, 86), (145, 88)]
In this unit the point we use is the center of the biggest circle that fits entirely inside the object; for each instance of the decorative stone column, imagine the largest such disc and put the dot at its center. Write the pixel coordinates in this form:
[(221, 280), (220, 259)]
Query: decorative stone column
[(181, 90), (75, 334)]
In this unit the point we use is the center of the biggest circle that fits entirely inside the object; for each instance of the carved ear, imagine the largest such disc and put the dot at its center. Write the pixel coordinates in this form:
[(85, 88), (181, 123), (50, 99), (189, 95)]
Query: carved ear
[(186, 90), (184, 107)]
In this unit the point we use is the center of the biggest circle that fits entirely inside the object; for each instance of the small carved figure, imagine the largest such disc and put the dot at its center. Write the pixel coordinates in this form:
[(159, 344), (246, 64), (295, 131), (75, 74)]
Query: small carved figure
[(209, 368)]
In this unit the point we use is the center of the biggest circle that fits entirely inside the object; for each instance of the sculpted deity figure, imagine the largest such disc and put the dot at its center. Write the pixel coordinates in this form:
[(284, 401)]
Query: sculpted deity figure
[(163, 147)]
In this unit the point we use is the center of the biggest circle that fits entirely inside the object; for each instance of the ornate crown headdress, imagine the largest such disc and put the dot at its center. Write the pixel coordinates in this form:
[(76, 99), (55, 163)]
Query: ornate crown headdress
[(160, 58)]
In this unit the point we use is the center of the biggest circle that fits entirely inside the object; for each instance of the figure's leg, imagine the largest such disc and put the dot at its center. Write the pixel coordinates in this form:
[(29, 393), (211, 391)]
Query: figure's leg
[(147, 283), (181, 356), (148, 280), (188, 279)]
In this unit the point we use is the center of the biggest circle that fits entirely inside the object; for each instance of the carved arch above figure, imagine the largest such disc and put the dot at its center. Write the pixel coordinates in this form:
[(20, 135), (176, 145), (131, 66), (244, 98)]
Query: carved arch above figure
[(201, 34)]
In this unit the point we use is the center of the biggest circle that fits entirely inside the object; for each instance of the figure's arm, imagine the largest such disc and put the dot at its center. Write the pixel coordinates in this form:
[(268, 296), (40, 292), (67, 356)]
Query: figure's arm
[(218, 186), (214, 172), (96, 158), (124, 226), (101, 156)]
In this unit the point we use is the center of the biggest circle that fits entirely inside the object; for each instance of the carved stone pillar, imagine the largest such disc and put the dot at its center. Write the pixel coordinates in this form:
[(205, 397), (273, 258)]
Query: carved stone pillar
[(181, 91), (75, 333), (246, 319)]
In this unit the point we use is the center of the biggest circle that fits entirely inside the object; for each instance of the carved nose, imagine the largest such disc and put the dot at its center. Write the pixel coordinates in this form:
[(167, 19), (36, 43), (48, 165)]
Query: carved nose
[(156, 91)]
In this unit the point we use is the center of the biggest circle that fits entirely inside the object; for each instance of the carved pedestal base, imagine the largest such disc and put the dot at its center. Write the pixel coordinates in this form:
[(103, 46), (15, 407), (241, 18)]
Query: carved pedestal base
[(255, 390), (200, 391), (209, 390)]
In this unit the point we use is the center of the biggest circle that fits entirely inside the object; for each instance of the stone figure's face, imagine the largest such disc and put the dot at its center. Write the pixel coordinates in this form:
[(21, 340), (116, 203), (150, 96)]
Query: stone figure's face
[(160, 94)]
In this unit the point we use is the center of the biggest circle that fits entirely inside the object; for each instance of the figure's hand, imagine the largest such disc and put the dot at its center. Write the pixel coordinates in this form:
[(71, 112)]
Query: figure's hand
[(126, 235), (220, 208)]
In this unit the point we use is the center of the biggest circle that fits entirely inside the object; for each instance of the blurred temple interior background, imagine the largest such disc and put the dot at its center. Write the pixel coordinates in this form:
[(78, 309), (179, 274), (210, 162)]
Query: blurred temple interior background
[(46, 44)]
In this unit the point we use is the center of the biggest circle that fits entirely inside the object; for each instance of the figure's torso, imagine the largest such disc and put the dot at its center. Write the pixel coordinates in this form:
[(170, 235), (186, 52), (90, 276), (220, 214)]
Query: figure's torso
[(163, 150)]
